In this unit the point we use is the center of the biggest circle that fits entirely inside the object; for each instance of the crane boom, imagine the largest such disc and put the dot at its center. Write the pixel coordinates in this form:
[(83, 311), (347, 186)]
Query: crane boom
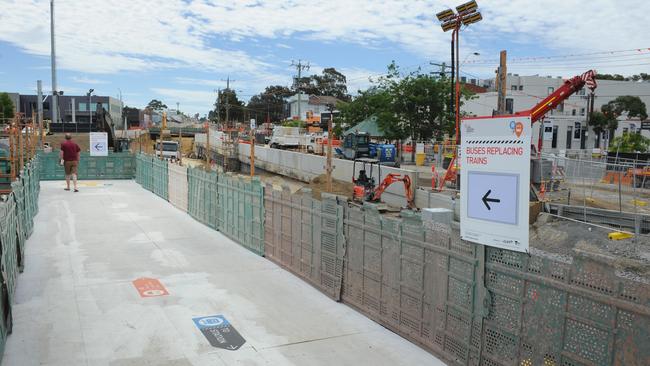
[(569, 87)]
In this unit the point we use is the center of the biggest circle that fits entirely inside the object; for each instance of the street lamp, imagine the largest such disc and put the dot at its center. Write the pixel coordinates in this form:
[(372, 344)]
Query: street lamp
[(451, 21), (90, 108)]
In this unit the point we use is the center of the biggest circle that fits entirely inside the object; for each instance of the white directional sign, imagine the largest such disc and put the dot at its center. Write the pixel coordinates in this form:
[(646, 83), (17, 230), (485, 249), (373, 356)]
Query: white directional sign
[(98, 144), (495, 181)]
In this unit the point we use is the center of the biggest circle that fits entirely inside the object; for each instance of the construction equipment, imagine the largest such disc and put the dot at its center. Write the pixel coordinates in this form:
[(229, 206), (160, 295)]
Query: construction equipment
[(365, 188), (537, 112), (104, 123), (356, 145)]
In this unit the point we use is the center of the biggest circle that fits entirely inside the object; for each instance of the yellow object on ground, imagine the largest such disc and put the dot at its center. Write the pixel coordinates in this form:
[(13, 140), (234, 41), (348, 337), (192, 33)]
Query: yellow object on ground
[(617, 235), (419, 159), (639, 203)]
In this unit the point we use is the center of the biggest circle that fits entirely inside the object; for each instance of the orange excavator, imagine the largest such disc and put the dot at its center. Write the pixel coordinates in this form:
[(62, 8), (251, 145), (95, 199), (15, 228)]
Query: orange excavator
[(364, 184)]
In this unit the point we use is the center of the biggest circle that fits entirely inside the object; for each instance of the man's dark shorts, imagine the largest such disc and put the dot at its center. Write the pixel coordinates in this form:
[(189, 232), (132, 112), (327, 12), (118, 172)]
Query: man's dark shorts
[(71, 167)]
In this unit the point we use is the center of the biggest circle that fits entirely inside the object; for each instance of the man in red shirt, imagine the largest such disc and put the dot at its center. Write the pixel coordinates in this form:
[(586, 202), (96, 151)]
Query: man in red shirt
[(70, 160)]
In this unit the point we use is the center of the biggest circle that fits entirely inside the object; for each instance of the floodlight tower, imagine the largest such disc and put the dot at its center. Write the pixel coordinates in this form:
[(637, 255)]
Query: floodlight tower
[(451, 21)]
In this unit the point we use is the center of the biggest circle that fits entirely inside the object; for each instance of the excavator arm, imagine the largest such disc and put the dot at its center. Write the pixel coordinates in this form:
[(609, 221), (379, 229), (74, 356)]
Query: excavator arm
[(394, 178), (554, 99)]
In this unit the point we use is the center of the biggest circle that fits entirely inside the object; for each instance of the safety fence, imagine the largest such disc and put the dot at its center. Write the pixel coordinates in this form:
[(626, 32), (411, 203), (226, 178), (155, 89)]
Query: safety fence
[(229, 203), (114, 166), (17, 211), (466, 303)]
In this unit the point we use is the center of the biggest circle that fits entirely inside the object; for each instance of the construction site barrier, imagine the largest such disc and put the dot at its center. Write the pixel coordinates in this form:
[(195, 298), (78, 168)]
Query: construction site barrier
[(114, 166), (466, 303), (160, 178), (144, 171), (229, 203), (17, 211), (178, 186), (305, 236)]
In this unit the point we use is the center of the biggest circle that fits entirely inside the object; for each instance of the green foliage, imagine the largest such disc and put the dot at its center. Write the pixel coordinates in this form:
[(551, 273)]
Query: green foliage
[(630, 142), (406, 105), (271, 101), (331, 83), (642, 76), (227, 100), (156, 105), (6, 106), (633, 106)]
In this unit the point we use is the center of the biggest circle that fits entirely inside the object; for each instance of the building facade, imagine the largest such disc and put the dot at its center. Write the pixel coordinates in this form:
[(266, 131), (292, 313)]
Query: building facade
[(310, 105), (69, 112), (567, 127)]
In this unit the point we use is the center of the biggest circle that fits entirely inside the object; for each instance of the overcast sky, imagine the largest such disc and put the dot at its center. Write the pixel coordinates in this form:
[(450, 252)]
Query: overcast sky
[(182, 50)]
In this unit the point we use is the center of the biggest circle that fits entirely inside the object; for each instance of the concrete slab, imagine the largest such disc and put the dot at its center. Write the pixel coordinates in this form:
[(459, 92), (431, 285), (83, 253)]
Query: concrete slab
[(76, 303)]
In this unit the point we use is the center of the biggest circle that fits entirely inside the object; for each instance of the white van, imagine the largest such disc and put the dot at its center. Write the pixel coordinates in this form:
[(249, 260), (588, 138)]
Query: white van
[(170, 150)]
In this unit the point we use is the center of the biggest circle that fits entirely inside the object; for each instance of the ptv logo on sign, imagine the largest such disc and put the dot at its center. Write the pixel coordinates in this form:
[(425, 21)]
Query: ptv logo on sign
[(517, 128)]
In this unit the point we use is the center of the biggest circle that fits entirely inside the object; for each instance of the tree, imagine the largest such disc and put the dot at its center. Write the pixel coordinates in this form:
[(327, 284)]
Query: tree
[(330, 83), (631, 105), (228, 103), (630, 142), (156, 105), (270, 102), (6, 106), (600, 123)]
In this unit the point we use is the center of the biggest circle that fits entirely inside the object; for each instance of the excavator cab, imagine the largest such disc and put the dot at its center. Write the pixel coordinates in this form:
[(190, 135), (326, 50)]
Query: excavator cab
[(364, 184)]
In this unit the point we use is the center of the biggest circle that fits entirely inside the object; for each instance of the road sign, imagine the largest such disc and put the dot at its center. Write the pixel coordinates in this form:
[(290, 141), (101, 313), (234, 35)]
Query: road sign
[(495, 181), (98, 144), (150, 287), (219, 332), (253, 124)]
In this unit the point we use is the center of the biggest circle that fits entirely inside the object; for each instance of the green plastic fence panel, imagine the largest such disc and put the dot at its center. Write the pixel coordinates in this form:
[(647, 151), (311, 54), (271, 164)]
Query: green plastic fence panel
[(202, 196), (114, 166), (563, 310), (241, 210), (160, 178), (10, 258), (21, 227), (421, 282), (144, 171)]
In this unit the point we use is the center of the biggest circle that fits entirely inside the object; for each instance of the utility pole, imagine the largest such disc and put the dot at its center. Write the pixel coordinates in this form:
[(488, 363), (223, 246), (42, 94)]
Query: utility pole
[(328, 167), (39, 87), (253, 127), (228, 100), (299, 66), (74, 114), (178, 105), (501, 84), (55, 97)]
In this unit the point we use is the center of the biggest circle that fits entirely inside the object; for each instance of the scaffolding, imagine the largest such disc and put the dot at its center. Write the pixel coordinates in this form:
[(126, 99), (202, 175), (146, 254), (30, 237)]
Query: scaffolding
[(18, 140)]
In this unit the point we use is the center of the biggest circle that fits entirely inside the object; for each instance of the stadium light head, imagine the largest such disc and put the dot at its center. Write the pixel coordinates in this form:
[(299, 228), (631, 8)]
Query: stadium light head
[(445, 15), (473, 18), (467, 8), (449, 25)]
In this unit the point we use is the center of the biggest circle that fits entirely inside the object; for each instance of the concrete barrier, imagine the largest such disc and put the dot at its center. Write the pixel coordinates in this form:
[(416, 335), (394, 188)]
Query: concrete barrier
[(305, 167)]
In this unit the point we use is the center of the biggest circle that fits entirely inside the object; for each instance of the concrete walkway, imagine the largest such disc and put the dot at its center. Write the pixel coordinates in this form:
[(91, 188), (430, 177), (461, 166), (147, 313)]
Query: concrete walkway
[(76, 303)]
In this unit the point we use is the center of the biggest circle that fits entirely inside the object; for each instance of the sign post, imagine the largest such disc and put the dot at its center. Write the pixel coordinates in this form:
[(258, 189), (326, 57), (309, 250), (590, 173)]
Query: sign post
[(253, 126), (98, 144), (495, 181)]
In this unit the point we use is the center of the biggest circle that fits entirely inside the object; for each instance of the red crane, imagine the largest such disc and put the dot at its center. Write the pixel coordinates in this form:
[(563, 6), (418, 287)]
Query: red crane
[(538, 112), (569, 87)]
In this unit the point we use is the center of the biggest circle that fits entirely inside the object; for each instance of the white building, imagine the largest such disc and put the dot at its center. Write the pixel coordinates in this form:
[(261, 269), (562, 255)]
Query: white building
[(569, 120), (310, 105)]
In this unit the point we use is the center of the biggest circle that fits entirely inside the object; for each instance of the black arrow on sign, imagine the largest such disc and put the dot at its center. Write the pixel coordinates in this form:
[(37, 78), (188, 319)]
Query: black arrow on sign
[(486, 199), (98, 146)]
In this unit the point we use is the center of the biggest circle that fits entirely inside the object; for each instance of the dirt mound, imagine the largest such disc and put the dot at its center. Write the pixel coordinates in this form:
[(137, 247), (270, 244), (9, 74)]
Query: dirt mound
[(319, 185)]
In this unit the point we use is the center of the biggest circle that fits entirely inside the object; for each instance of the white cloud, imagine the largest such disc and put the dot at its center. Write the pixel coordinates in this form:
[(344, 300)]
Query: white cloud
[(87, 80), (110, 36)]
